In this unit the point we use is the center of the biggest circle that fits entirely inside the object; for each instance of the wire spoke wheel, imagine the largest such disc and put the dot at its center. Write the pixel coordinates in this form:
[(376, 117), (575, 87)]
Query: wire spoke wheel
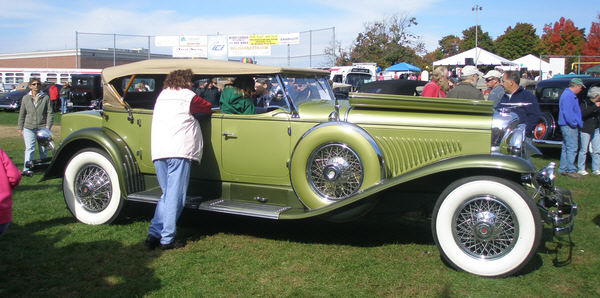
[(485, 228), (334, 171), (93, 188)]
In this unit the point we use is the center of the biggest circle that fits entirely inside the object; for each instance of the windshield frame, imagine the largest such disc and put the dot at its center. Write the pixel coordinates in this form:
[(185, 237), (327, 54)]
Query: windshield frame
[(321, 82)]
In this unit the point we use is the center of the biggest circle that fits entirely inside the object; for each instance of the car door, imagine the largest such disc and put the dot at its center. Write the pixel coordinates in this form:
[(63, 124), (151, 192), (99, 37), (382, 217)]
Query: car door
[(256, 148)]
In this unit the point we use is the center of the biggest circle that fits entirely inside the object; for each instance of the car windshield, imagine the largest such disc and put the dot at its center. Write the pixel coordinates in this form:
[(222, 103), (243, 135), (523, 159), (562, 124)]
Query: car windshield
[(301, 90), (357, 79)]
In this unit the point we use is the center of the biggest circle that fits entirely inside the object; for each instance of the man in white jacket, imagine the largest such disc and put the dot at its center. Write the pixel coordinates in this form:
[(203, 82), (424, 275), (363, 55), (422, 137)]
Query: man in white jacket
[(176, 140)]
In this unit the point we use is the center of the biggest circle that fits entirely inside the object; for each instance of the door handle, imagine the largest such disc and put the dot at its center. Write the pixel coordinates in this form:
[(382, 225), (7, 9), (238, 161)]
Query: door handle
[(228, 135)]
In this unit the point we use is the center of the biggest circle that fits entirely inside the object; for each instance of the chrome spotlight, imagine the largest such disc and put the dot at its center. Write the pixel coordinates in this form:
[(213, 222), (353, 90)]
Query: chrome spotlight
[(545, 176), (44, 138)]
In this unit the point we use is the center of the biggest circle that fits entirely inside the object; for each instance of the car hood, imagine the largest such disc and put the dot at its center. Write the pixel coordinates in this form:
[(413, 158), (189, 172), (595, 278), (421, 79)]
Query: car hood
[(416, 103)]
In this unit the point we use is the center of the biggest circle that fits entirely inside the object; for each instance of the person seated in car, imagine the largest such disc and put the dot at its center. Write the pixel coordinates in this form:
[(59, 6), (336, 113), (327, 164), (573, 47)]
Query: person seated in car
[(139, 87), (261, 97), (300, 91), (210, 92), (236, 97)]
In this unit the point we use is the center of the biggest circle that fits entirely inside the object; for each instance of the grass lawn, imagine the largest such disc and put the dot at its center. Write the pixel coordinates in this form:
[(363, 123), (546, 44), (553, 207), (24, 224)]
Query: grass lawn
[(46, 252)]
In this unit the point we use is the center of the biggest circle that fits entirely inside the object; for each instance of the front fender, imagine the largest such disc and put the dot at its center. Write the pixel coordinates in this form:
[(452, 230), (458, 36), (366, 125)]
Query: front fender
[(482, 162), (130, 178)]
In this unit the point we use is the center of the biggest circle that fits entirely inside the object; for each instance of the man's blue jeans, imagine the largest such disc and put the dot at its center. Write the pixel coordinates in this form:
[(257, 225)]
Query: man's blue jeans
[(583, 149), (63, 105), (173, 176), (569, 149), (30, 140)]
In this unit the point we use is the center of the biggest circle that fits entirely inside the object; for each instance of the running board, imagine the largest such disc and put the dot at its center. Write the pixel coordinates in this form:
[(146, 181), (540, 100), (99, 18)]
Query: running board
[(153, 196), (243, 208), (219, 205)]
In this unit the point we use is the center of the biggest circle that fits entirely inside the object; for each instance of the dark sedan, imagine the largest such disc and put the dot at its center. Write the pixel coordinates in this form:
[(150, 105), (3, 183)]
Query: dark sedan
[(547, 132), (11, 101)]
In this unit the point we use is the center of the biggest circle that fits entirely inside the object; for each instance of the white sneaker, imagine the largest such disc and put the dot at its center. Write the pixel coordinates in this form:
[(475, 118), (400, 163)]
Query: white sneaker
[(596, 172), (582, 172)]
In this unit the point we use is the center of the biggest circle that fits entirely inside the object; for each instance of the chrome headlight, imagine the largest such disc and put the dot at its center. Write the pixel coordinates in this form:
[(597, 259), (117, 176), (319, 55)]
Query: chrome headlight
[(516, 143), (503, 124)]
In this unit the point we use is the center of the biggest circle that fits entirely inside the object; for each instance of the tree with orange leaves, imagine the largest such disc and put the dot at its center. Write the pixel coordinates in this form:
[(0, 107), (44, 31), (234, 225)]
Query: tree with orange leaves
[(592, 45), (562, 38)]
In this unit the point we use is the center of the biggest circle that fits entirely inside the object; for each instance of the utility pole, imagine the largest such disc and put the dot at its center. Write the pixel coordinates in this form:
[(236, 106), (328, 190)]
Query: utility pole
[(476, 8)]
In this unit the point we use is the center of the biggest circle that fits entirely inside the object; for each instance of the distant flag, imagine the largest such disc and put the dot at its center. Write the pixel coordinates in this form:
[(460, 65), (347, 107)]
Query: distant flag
[(248, 60)]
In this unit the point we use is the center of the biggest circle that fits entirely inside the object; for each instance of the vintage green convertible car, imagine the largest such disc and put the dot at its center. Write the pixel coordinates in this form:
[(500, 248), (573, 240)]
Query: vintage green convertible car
[(303, 154)]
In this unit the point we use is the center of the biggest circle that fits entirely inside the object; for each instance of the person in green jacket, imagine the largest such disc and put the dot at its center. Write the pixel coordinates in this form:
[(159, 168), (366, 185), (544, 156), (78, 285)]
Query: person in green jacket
[(35, 114), (236, 98)]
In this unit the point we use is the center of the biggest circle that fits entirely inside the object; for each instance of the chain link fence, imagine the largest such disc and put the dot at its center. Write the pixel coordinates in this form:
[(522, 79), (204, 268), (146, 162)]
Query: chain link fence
[(309, 52)]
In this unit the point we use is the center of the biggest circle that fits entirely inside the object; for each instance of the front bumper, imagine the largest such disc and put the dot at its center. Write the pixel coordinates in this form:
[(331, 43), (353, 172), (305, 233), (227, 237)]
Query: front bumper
[(556, 206), (12, 106), (547, 143)]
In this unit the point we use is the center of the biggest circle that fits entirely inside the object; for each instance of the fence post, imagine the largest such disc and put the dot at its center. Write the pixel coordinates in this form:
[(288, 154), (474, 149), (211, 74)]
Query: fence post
[(76, 49), (114, 49), (310, 48)]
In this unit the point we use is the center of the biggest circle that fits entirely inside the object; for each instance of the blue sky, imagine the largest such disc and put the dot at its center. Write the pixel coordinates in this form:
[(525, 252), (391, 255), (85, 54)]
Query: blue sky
[(30, 25)]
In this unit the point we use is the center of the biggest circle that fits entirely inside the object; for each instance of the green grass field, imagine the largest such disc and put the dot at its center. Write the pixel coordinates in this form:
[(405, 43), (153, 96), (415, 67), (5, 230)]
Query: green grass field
[(46, 252)]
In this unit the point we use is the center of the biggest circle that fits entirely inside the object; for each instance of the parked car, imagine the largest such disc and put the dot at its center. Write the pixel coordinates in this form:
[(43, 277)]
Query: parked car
[(11, 101), (547, 133), (304, 154), (86, 92), (399, 87)]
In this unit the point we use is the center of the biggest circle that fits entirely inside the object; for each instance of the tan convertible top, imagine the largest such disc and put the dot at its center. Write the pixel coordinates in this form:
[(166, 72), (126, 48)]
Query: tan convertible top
[(112, 99), (202, 67)]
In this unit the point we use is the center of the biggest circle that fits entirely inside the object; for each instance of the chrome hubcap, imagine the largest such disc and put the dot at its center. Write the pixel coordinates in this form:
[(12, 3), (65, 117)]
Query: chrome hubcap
[(93, 188), (485, 228), (334, 171)]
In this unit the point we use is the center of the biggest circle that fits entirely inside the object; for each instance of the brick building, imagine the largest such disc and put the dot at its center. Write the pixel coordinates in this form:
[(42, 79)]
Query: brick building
[(82, 58)]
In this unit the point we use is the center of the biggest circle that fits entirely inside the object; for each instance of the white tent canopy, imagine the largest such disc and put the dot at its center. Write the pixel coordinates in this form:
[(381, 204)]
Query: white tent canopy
[(479, 56), (532, 62)]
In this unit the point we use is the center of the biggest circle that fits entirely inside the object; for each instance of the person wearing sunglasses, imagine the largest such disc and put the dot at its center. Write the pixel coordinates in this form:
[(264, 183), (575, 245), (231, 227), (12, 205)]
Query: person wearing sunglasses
[(492, 81), (35, 114)]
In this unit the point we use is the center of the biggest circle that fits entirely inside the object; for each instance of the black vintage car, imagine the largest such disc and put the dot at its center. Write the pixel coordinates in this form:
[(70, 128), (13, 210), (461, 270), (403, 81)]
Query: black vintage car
[(398, 87), (86, 92), (11, 101), (547, 133)]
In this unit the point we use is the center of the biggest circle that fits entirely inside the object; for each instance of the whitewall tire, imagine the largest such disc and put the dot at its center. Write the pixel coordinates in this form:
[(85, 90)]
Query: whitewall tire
[(486, 226), (91, 188)]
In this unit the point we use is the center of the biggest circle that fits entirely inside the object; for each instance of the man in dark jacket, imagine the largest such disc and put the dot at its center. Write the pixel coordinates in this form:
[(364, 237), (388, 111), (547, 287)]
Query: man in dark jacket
[(520, 101), (210, 92)]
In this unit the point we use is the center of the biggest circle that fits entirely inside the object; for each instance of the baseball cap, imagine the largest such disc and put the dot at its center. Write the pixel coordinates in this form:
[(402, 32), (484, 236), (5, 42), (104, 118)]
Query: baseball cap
[(577, 81), (470, 70), (492, 74)]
